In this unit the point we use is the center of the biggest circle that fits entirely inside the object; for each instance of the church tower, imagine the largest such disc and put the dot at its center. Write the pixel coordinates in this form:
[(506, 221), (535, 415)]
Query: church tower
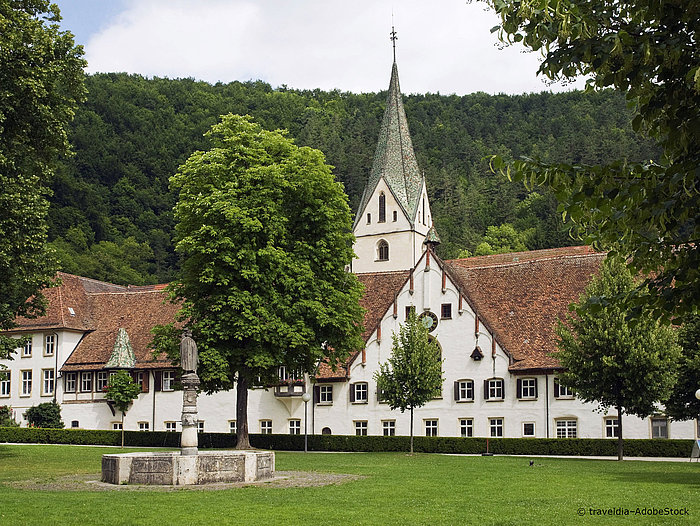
[(394, 215)]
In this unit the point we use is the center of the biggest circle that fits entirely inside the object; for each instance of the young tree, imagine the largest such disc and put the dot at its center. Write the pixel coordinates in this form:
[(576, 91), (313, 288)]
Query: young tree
[(41, 82), (265, 235), (612, 360), (47, 415), (648, 50), (682, 405), (122, 390), (413, 374)]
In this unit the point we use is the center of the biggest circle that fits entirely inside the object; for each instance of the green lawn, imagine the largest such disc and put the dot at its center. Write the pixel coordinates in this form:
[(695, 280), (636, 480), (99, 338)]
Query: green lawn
[(396, 489)]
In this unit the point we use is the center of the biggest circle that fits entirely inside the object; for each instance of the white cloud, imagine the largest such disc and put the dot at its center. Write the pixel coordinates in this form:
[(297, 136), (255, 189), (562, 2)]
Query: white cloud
[(443, 47)]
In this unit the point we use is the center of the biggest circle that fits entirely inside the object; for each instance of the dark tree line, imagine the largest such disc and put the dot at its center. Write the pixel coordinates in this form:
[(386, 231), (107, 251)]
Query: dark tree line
[(111, 211)]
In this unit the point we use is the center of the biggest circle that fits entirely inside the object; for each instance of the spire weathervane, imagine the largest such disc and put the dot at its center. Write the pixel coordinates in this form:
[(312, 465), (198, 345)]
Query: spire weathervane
[(393, 38)]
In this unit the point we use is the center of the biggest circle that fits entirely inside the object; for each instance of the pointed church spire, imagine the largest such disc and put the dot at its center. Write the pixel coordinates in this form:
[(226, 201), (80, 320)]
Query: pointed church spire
[(394, 158)]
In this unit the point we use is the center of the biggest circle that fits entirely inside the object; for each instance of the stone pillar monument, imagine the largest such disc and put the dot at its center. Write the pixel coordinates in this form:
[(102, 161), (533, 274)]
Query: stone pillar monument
[(189, 360)]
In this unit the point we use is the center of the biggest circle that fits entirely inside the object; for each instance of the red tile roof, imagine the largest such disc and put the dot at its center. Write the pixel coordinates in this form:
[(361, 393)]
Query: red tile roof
[(135, 311), (517, 296), (520, 296), (100, 309), (380, 288)]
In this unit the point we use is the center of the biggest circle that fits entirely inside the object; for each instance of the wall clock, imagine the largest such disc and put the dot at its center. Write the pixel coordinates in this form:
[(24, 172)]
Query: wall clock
[(429, 320)]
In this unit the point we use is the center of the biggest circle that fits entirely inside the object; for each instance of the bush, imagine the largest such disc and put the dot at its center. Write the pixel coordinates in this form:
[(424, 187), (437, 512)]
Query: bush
[(46, 415), (502, 446), (6, 418)]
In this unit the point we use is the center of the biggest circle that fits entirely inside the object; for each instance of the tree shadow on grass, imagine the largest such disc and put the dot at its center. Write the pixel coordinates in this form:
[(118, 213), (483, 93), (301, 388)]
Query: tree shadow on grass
[(661, 477), (7, 452)]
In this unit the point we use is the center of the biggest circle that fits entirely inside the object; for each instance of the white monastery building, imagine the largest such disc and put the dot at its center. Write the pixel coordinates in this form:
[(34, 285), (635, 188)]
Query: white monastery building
[(493, 317)]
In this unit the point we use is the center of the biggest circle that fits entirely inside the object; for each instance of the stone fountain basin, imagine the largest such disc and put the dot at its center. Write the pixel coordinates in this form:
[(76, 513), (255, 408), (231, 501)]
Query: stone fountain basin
[(175, 469)]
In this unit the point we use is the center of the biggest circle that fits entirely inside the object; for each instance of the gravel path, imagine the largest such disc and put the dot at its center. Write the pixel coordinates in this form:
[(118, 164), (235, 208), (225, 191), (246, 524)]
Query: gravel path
[(91, 482)]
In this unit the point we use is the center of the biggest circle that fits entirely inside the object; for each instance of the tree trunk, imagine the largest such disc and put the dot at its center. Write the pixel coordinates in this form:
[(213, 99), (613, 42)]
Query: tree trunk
[(411, 430), (619, 432), (242, 440), (122, 429)]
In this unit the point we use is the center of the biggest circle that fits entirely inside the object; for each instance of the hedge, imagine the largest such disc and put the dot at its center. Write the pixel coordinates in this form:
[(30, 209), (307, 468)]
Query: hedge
[(503, 446)]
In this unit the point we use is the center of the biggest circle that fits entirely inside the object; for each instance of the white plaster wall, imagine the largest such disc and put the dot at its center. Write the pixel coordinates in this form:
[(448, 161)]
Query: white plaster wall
[(65, 342), (456, 337), (405, 241), (375, 227)]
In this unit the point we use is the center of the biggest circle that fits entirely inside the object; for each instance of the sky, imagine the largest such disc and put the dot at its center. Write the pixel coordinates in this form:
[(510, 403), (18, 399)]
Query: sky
[(443, 46)]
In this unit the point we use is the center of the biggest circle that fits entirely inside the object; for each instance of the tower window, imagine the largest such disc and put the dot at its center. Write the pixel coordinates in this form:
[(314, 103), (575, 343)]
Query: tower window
[(382, 207), (383, 251)]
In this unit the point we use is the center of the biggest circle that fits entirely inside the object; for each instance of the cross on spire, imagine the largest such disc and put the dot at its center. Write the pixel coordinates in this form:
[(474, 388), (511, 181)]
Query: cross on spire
[(393, 38)]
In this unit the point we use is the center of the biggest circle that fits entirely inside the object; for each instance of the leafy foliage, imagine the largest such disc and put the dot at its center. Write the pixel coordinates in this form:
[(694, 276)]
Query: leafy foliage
[(46, 415), (122, 390), (648, 210), (610, 361), (370, 443), (41, 82), (6, 418), (413, 374), (682, 405), (265, 234)]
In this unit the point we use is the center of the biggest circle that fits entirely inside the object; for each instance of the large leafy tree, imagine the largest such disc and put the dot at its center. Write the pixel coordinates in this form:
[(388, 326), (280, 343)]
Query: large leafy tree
[(611, 359), (264, 232), (413, 374), (41, 81), (682, 405), (649, 50)]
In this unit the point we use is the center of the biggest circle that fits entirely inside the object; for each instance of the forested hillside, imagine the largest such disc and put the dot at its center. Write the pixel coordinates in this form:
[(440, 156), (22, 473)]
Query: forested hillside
[(111, 209)]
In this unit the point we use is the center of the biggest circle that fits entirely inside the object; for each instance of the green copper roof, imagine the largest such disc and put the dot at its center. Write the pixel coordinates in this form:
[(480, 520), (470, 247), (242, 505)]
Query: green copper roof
[(432, 237), (122, 354), (394, 159)]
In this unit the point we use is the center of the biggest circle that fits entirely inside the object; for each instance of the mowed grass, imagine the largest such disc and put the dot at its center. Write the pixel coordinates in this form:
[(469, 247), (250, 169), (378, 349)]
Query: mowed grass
[(396, 489)]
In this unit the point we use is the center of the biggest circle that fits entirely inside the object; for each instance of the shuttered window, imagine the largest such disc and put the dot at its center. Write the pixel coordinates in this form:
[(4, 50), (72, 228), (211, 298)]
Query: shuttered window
[(526, 388), (358, 393), (464, 390), (493, 389)]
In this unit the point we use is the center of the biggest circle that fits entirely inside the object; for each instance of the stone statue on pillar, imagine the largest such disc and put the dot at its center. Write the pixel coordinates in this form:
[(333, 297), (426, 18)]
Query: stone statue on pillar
[(189, 359)]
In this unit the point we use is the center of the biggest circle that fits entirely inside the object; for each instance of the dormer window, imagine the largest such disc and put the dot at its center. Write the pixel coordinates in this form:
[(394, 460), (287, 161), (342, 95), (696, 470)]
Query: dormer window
[(383, 251), (382, 207)]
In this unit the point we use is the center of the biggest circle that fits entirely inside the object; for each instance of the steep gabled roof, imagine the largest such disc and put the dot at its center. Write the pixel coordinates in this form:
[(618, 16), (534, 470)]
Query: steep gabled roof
[(380, 291), (394, 158), (136, 311), (520, 296)]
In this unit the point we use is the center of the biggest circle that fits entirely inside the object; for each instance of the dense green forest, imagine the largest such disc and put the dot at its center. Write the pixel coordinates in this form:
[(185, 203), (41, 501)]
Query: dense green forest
[(111, 210)]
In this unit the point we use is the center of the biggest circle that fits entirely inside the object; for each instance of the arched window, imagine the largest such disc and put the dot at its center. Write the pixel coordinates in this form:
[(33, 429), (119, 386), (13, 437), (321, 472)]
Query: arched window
[(382, 207), (383, 251)]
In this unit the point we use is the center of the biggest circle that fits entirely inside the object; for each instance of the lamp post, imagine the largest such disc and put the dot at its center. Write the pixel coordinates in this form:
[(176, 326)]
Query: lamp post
[(305, 398)]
